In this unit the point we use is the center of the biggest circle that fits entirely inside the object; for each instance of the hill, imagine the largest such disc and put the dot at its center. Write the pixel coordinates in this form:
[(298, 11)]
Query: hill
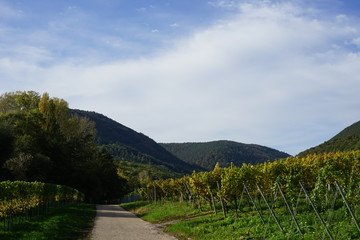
[(125, 144), (346, 140), (207, 154)]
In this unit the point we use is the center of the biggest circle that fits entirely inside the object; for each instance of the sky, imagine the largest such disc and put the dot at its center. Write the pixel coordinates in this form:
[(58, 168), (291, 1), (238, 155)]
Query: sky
[(279, 73)]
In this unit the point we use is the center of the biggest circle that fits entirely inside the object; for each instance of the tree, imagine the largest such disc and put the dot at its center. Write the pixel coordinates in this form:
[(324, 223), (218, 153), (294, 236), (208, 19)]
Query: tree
[(19, 101), (43, 142), (6, 141), (19, 165)]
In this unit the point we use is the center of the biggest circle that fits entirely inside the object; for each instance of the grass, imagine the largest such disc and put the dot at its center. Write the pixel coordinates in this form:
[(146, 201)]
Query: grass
[(133, 206), (66, 222), (249, 226), (162, 211), (197, 226)]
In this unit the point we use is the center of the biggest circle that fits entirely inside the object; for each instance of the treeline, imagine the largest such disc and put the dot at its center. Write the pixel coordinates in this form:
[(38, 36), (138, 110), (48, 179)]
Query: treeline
[(317, 173), (125, 153), (346, 143), (40, 140)]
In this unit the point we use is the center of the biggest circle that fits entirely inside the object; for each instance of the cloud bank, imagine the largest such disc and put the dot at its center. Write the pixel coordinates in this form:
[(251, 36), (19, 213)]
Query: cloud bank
[(274, 74)]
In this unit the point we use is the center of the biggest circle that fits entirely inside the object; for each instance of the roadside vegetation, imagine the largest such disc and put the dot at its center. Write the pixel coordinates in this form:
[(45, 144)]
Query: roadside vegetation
[(162, 211), (205, 225), (65, 222)]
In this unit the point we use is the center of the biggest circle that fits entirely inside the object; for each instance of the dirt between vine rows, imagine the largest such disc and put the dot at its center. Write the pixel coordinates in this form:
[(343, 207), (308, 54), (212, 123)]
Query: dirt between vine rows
[(114, 223)]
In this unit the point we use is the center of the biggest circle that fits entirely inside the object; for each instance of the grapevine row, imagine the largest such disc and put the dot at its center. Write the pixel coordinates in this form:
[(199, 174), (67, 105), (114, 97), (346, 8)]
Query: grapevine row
[(18, 196), (316, 172)]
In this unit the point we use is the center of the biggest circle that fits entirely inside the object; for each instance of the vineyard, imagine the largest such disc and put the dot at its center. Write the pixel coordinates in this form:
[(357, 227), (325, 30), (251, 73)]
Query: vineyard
[(19, 200), (316, 197)]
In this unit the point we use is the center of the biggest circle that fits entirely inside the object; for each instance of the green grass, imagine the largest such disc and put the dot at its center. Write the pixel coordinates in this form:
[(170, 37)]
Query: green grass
[(132, 206), (214, 227), (248, 225), (162, 211), (65, 222)]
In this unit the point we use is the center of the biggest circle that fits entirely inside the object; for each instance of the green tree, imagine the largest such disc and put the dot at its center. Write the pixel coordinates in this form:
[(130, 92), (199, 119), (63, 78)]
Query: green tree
[(43, 142), (6, 141), (19, 101)]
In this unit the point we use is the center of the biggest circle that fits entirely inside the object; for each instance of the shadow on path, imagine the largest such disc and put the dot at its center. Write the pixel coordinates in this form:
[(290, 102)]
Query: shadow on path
[(111, 211)]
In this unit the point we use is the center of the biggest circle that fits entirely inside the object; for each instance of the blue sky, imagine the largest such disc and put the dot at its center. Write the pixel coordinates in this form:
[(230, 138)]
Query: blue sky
[(283, 74)]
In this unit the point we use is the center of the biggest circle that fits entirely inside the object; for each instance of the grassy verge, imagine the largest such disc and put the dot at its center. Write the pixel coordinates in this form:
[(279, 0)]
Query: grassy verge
[(66, 222), (248, 225), (162, 212)]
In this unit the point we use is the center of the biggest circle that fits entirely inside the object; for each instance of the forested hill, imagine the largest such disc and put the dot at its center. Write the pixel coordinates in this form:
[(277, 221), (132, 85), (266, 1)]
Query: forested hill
[(128, 145), (207, 154), (346, 140)]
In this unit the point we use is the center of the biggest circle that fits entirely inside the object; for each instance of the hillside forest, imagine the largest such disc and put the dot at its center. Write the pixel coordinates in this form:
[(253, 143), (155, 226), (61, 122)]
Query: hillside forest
[(346, 140), (225, 153)]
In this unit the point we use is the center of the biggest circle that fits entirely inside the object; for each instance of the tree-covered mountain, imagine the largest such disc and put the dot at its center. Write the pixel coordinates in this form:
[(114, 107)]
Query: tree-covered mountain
[(171, 160), (207, 154), (126, 144), (346, 140)]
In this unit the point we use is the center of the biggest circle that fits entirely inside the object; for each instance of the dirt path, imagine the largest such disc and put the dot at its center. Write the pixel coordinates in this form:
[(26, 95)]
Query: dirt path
[(113, 222)]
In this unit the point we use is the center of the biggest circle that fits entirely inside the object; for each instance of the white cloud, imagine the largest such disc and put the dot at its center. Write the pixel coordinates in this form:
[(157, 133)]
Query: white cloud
[(27, 53), (269, 75), (342, 18)]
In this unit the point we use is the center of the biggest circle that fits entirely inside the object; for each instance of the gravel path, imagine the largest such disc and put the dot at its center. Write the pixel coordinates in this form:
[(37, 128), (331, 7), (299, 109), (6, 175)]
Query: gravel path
[(113, 222)]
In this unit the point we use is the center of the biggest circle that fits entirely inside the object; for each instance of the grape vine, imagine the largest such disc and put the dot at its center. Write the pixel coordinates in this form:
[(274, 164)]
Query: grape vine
[(316, 172), (18, 196)]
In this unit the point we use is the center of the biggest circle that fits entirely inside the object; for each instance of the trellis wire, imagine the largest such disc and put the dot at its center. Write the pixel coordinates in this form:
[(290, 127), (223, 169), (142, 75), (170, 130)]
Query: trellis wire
[(270, 208), (316, 212), (347, 205), (289, 208)]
